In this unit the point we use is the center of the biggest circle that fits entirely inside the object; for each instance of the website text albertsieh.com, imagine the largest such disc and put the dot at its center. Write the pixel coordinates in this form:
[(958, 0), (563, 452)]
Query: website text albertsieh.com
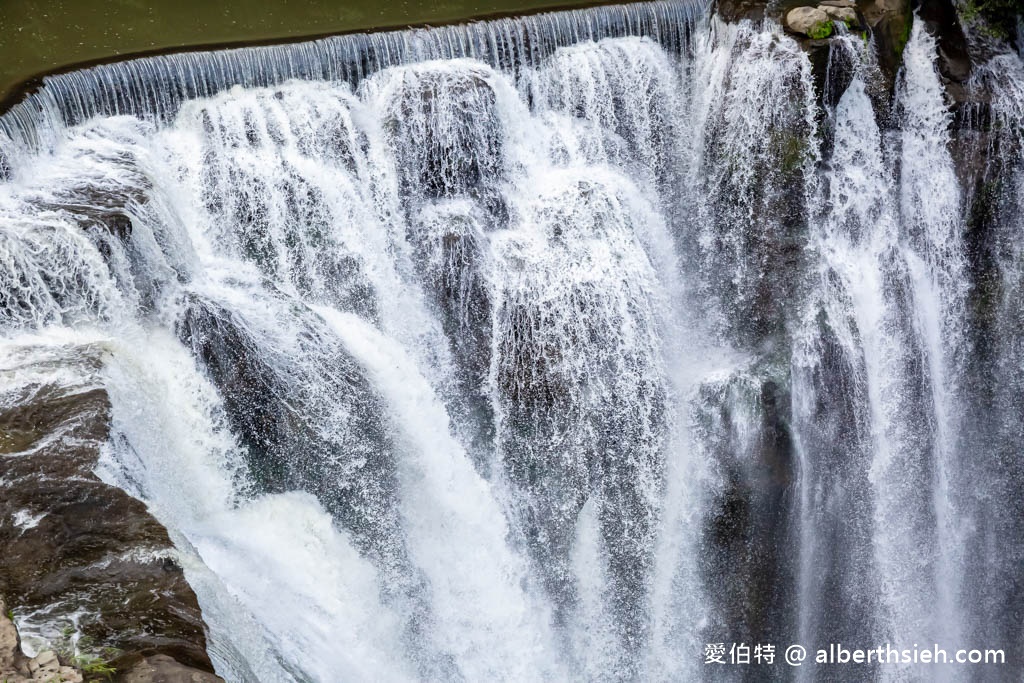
[(837, 653)]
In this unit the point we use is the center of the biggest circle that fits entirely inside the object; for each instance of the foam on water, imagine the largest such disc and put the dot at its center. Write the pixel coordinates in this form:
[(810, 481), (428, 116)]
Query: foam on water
[(520, 351)]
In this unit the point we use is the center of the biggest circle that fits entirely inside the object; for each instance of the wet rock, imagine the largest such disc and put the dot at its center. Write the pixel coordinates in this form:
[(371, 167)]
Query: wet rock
[(450, 250), (993, 22), (74, 545), (105, 201), (580, 434), (163, 669), (889, 22), (744, 420), (941, 20), (10, 647), (447, 133), (15, 667), (278, 406), (757, 218), (812, 22), (835, 430)]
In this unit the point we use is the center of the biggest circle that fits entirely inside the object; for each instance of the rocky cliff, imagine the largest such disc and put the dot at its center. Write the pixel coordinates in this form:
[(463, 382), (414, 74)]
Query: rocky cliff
[(86, 572)]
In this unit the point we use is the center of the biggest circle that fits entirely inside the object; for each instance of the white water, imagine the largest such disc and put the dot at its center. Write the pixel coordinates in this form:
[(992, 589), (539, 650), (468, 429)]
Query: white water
[(464, 372)]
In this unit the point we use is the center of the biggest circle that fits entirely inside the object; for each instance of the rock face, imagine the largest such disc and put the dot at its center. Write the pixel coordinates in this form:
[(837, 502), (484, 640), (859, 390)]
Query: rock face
[(745, 423), (85, 568), (889, 22), (965, 36)]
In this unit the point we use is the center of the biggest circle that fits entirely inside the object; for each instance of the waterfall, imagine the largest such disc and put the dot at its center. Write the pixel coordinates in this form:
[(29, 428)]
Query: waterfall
[(543, 348)]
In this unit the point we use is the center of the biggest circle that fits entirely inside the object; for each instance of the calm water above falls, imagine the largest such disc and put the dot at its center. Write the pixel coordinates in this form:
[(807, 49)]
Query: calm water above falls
[(551, 348)]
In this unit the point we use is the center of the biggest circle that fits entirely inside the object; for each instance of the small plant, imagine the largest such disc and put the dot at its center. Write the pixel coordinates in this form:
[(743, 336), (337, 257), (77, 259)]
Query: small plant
[(821, 30), (94, 667), (64, 645)]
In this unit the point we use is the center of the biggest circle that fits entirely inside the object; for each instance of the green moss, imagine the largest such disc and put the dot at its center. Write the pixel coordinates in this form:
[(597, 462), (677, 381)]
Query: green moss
[(904, 36), (821, 30), (995, 18), (792, 151)]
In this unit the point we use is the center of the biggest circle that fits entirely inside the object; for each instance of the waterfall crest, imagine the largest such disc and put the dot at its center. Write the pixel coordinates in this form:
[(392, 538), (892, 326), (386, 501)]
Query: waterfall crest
[(548, 348)]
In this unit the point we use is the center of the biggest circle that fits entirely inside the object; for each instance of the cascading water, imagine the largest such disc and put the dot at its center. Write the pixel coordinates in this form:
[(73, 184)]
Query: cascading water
[(540, 349)]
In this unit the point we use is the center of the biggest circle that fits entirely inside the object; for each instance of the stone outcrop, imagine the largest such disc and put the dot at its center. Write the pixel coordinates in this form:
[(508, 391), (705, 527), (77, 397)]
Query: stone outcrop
[(840, 12), (813, 22), (84, 564), (817, 21), (888, 24)]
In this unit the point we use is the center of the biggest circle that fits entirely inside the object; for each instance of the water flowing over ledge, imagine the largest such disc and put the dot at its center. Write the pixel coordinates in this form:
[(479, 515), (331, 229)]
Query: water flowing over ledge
[(156, 86)]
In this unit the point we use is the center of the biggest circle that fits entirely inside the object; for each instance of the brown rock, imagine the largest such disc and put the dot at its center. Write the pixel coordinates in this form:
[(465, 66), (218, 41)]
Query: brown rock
[(737, 10), (72, 543), (44, 661), (10, 647), (889, 22)]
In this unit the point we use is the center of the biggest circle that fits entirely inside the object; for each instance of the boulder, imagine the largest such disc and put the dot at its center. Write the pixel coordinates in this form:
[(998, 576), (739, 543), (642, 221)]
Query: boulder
[(847, 15), (812, 22)]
